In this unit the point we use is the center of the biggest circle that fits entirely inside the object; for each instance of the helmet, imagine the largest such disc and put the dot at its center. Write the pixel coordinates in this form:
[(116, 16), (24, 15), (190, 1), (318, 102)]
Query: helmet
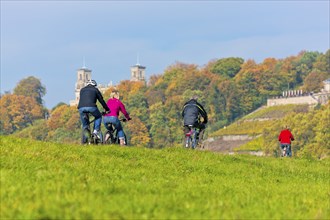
[(91, 82)]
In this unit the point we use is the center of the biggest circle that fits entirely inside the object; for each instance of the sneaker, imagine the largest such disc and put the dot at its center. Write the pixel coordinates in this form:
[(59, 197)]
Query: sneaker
[(97, 134), (122, 141)]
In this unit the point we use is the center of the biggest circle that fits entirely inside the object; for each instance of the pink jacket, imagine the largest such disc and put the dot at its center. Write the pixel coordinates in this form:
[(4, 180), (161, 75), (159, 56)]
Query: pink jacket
[(116, 106)]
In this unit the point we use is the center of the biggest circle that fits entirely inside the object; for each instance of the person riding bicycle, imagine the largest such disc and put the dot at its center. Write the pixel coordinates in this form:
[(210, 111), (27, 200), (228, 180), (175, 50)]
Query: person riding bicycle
[(285, 139), (194, 115), (116, 106), (87, 104)]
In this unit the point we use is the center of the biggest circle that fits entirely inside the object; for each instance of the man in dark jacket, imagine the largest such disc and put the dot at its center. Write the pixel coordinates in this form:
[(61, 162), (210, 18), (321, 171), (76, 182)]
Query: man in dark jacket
[(87, 104), (194, 115)]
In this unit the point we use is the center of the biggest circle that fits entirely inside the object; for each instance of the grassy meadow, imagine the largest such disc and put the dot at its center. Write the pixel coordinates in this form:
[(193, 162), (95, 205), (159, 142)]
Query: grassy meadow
[(41, 180)]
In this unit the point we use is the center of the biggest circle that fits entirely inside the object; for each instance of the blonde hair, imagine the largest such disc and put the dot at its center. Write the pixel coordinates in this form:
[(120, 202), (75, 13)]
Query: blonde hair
[(114, 94)]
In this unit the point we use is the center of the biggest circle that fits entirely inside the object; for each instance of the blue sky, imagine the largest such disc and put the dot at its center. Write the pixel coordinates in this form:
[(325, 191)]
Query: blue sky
[(51, 39)]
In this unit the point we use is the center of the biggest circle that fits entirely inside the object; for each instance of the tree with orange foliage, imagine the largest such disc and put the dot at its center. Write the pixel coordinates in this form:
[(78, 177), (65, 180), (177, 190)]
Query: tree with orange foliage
[(127, 87), (137, 132), (32, 87), (64, 117), (18, 112), (64, 124)]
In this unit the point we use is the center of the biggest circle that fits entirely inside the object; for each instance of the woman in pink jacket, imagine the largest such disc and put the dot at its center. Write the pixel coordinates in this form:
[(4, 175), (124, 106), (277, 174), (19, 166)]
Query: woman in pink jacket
[(116, 106)]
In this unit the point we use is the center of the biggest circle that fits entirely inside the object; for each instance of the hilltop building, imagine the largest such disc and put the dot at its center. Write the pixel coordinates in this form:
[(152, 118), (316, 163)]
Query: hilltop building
[(138, 73), (298, 97), (84, 74)]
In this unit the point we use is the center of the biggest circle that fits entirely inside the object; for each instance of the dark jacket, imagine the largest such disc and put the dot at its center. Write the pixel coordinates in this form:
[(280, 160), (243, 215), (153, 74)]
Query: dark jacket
[(191, 112), (88, 97)]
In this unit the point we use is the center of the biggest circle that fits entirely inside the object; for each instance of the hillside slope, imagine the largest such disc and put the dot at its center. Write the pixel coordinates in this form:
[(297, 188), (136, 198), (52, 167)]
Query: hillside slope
[(229, 139)]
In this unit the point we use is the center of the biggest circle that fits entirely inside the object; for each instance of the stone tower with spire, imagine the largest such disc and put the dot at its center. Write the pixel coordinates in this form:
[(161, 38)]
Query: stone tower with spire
[(138, 72)]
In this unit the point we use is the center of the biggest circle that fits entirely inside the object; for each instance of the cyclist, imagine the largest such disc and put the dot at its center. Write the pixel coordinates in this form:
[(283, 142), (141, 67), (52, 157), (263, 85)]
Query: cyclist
[(195, 115), (285, 139), (87, 104), (116, 106)]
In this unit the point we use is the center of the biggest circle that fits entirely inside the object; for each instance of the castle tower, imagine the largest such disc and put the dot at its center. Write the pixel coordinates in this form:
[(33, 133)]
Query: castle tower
[(83, 75), (138, 73)]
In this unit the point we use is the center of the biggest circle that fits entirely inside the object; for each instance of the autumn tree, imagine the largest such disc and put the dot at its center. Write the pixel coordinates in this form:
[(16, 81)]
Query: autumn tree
[(137, 106), (228, 88), (64, 124), (227, 67), (31, 87), (314, 81), (127, 87), (216, 107), (137, 133), (250, 98), (160, 129), (173, 108), (18, 112), (64, 116)]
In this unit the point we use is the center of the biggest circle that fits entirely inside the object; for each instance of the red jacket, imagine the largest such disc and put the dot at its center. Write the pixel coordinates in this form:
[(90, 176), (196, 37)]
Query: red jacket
[(285, 137)]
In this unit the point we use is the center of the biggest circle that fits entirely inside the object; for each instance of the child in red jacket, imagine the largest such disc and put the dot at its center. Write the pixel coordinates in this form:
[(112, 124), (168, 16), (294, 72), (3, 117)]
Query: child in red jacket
[(285, 139)]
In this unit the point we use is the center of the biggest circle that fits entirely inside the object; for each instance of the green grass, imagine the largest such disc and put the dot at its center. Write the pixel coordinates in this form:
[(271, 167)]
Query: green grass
[(253, 145), (56, 181)]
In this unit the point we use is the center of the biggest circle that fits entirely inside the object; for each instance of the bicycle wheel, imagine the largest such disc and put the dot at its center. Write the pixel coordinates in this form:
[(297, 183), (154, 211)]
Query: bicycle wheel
[(108, 138), (193, 139), (85, 136), (187, 142), (97, 140), (126, 142)]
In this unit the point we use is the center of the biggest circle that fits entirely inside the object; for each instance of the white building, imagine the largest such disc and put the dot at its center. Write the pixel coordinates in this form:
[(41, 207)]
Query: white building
[(297, 97)]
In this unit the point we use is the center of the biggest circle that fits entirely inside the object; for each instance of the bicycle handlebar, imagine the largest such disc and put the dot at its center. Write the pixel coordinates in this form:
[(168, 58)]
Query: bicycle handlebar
[(124, 119), (104, 112)]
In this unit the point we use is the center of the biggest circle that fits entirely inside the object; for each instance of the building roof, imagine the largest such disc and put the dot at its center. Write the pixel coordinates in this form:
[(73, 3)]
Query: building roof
[(138, 65), (85, 68)]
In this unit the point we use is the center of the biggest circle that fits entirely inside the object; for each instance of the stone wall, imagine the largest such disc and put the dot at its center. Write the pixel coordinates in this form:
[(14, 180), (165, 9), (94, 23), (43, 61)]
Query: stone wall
[(226, 143)]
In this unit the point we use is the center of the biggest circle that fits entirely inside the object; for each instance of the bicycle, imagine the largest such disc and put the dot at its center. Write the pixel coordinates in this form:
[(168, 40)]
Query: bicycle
[(286, 150), (111, 136), (87, 136), (191, 138)]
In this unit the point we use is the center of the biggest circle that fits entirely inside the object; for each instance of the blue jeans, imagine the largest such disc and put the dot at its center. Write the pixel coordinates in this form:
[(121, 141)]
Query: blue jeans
[(115, 121), (95, 112), (288, 150)]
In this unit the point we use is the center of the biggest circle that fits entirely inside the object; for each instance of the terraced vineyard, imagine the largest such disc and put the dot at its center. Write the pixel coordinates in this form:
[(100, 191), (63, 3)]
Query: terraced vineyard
[(239, 136)]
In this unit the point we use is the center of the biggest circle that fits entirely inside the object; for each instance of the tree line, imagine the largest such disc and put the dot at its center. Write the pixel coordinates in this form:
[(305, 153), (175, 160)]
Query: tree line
[(229, 88)]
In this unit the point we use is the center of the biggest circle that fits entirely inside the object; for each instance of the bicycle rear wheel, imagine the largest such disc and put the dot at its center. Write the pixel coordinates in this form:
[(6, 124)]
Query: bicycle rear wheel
[(189, 137), (97, 140), (108, 138), (193, 139), (85, 136), (187, 143)]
